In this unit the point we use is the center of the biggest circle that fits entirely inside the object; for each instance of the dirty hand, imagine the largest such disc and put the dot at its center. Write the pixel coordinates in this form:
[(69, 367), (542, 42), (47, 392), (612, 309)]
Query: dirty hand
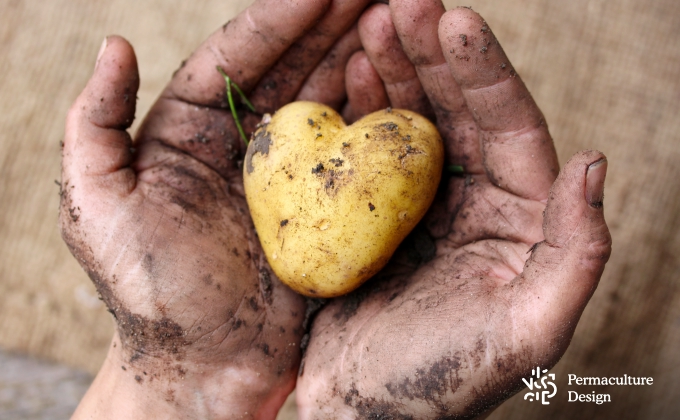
[(161, 226), (505, 283)]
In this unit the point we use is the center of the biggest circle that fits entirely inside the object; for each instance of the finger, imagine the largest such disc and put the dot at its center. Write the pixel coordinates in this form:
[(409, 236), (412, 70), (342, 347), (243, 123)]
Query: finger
[(245, 48), (563, 271), (381, 44), (517, 149), (326, 84), (417, 25), (365, 90), (282, 83), (96, 154)]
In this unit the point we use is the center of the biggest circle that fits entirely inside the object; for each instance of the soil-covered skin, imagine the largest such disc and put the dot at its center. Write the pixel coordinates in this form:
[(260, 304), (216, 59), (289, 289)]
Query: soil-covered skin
[(493, 283), (160, 223)]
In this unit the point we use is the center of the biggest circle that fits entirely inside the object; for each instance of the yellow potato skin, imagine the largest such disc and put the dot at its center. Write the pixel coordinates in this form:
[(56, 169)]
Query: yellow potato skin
[(332, 202)]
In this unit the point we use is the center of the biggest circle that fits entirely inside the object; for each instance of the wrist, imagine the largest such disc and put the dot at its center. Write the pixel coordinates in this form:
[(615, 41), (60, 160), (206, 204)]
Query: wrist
[(143, 386)]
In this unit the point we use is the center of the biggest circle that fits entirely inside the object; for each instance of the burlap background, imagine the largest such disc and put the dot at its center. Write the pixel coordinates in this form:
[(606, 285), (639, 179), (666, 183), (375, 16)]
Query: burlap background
[(606, 74)]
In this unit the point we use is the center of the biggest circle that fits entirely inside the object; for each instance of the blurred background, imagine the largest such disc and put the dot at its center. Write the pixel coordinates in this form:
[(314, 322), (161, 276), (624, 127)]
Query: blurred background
[(606, 74)]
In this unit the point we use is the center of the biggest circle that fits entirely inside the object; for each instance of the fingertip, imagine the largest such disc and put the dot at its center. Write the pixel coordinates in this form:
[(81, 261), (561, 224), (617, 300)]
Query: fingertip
[(417, 24), (110, 95), (96, 142), (476, 57), (589, 166), (375, 25), (576, 200), (365, 90), (595, 176)]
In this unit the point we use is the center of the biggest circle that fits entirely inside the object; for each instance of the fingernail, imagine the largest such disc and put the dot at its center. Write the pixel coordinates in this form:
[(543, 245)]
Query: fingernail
[(101, 51), (595, 183)]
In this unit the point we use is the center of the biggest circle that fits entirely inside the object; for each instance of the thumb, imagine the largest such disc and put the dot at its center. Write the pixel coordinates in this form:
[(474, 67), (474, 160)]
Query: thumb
[(563, 271), (96, 153)]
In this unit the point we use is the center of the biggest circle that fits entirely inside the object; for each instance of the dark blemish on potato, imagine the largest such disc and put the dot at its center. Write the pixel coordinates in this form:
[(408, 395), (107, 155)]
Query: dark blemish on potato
[(123, 367), (284, 222), (408, 150), (390, 126), (208, 279), (365, 135), (483, 50), (310, 122), (323, 114), (484, 28), (265, 349), (318, 135), (406, 137), (260, 327), (388, 109), (235, 251), (318, 168), (463, 38), (138, 379), (345, 144), (260, 143), (238, 323), (371, 207), (337, 162)]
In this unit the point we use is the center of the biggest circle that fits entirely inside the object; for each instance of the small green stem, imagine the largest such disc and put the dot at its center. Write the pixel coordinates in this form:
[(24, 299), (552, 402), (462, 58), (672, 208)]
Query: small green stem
[(229, 83), (456, 169)]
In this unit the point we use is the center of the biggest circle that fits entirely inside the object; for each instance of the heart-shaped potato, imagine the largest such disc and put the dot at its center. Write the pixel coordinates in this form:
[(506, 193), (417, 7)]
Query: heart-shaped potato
[(332, 202)]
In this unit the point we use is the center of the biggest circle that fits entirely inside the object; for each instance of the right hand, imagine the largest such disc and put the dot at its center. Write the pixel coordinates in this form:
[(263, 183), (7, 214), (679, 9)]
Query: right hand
[(164, 230)]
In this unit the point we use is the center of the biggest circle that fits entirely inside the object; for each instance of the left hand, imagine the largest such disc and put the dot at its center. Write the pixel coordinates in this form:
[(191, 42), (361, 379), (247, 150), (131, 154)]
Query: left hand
[(454, 336)]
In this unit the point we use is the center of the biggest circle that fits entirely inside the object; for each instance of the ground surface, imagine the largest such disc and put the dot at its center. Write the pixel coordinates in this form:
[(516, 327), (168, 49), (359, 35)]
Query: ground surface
[(35, 389)]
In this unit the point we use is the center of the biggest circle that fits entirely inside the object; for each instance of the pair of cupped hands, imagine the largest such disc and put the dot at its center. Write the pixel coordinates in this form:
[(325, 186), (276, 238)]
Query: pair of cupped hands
[(206, 330)]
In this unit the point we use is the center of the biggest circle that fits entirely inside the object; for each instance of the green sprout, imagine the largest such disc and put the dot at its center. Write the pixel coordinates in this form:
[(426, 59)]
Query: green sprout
[(456, 169), (230, 98)]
